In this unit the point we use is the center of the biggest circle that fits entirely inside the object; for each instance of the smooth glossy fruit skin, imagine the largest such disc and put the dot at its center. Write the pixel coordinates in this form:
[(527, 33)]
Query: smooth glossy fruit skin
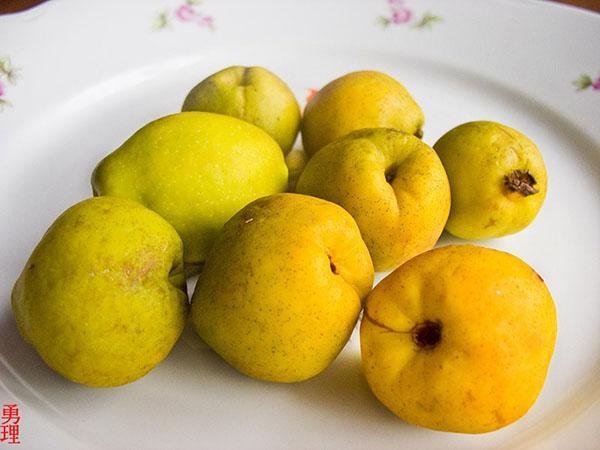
[(196, 170), (281, 290), (103, 298), (479, 158), (497, 329), (365, 99), (253, 94), (392, 183)]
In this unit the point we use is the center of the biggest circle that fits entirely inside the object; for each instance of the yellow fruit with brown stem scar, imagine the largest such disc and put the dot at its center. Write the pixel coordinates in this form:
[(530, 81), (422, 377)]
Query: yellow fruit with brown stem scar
[(392, 183), (497, 179), (282, 287), (459, 339)]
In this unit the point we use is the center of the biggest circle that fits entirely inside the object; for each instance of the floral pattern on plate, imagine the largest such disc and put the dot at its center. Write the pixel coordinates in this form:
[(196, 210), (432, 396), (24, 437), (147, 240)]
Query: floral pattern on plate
[(310, 93), (186, 12), (8, 75), (401, 14), (585, 82)]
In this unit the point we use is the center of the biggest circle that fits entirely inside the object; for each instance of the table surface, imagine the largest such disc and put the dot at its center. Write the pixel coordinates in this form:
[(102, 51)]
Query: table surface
[(10, 6)]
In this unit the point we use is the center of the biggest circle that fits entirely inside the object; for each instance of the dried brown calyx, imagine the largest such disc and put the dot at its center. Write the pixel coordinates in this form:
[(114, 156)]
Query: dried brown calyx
[(521, 181), (427, 335)]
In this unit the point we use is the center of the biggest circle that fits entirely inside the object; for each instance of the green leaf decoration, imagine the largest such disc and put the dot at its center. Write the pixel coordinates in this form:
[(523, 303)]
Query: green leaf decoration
[(428, 20), (583, 82), (4, 103), (161, 21), (383, 22)]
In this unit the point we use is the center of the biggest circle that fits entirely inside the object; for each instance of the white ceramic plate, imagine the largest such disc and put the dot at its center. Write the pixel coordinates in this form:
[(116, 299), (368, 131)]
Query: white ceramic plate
[(82, 76)]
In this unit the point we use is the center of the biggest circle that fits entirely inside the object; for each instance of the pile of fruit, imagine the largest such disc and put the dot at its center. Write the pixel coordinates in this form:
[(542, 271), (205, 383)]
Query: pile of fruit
[(457, 338)]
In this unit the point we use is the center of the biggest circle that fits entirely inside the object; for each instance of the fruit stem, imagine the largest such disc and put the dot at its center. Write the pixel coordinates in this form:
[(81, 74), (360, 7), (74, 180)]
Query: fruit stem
[(521, 181)]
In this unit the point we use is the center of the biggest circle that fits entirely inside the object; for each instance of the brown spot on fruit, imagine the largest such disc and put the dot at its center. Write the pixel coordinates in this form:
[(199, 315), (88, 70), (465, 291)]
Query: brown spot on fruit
[(499, 417), (490, 223)]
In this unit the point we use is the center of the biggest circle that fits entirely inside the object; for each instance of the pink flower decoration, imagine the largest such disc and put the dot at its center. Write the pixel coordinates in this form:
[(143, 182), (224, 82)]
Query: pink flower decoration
[(185, 13), (1, 88), (401, 16), (205, 21), (595, 85), (311, 93)]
